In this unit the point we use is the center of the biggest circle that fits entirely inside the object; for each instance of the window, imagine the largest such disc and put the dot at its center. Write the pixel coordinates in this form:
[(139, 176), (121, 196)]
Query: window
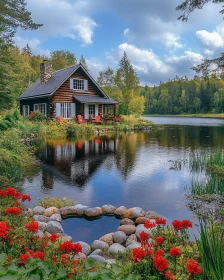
[(66, 110), (108, 110), (26, 110), (92, 110), (78, 84), (41, 107)]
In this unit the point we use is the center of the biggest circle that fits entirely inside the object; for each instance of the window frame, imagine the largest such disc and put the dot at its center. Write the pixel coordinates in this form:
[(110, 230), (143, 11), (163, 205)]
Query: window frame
[(77, 80), (28, 111), (65, 109), (38, 104), (89, 109)]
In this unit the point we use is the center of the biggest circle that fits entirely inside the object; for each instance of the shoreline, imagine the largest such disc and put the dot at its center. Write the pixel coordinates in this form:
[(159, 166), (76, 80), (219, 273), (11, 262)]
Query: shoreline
[(203, 116)]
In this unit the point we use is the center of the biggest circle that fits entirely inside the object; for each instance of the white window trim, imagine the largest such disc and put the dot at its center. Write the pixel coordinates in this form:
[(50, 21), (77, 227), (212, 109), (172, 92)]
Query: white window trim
[(45, 104), (24, 106), (73, 110), (85, 84)]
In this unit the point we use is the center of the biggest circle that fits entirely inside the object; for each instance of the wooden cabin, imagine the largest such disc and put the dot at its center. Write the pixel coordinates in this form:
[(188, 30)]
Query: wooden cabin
[(68, 92)]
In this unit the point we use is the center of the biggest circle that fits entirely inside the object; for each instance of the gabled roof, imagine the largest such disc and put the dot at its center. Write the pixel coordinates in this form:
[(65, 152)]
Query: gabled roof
[(37, 90), (94, 99)]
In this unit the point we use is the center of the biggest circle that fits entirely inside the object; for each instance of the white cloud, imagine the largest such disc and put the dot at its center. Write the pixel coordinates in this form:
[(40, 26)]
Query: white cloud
[(171, 40), (63, 18), (95, 66), (34, 43), (213, 40)]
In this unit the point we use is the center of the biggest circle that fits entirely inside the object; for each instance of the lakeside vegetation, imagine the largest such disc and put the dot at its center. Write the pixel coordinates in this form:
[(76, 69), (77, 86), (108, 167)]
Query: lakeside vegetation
[(198, 115)]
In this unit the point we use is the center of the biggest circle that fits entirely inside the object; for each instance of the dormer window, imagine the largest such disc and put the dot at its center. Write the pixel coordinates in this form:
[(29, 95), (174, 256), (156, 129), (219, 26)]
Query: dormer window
[(78, 84)]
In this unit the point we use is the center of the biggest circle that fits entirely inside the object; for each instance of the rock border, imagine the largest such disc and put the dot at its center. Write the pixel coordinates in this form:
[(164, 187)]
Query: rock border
[(125, 238)]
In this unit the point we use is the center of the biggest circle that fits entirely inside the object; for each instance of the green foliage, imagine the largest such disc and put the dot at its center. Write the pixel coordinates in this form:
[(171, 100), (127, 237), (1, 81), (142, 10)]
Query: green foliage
[(211, 249), (37, 116), (83, 62), (49, 201), (62, 59)]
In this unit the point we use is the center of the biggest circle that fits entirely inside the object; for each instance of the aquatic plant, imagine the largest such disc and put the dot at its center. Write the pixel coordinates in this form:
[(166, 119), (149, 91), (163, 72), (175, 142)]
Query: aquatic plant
[(49, 201)]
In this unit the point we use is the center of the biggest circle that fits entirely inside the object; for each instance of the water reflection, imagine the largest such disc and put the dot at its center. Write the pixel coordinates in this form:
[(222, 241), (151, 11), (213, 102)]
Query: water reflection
[(125, 169)]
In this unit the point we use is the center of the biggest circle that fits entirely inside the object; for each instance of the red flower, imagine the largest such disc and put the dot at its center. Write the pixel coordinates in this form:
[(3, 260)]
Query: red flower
[(55, 259), (144, 237), (13, 211), (175, 252), (159, 240), (159, 252), (24, 257), (180, 225), (193, 267), (169, 275), (32, 226), (160, 221), (25, 197), (3, 230), (64, 258), (68, 247), (138, 254), (148, 224), (38, 255), (160, 263), (54, 237)]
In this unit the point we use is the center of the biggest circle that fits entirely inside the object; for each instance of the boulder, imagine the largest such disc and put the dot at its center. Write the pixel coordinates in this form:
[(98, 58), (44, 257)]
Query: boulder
[(152, 215), (97, 244), (40, 234), (86, 249), (110, 262), (134, 213), (38, 210), (116, 248), (41, 218), (126, 221), (55, 217), (97, 252), (50, 211), (108, 209), (131, 239), (133, 245), (141, 228), (119, 237), (127, 229), (42, 226), (141, 220), (53, 226), (93, 212), (108, 238), (120, 211), (80, 256), (97, 258), (78, 209), (64, 237), (29, 212)]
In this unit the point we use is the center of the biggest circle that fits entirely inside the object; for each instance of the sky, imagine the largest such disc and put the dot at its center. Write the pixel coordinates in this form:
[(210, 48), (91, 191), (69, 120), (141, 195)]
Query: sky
[(159, 46)]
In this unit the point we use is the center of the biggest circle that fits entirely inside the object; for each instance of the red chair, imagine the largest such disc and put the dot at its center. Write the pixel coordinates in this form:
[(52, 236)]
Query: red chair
[(98, 120), (80, 119), (60, 119)]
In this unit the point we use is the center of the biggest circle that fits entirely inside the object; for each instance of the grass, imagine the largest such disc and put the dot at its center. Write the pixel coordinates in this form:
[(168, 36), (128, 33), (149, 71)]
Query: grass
[(211, 249), (49, 201)]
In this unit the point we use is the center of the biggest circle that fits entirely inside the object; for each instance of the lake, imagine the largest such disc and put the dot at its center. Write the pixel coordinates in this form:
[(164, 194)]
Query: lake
[(130, 169)]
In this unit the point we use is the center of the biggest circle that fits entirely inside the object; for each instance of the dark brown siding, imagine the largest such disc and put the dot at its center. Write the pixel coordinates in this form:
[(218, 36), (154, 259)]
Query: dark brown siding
[(64, 93), (31, 103)]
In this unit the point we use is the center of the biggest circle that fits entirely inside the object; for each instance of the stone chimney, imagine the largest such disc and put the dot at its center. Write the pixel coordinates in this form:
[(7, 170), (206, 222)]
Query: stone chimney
[(45, 71)]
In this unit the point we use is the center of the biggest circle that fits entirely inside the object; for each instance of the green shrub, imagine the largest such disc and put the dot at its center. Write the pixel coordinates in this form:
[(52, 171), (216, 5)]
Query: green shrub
[(49, 201), (37, 116), (3, 126), (16, 115)]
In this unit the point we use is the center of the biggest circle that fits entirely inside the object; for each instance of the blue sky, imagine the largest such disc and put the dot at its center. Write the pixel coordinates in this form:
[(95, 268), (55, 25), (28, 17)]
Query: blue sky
[(158, 45)]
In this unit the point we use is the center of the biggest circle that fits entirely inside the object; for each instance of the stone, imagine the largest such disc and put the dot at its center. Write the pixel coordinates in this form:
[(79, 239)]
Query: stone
[(119, 237), (86, 249), (29, 212), (78, 209), (108, 209), (97, 252), (126, 221), (97, 244), (134, 213), (127, 229), (108, 238), (120, 211), (116, 248), (53, 226), (41, 218), (93, 212), (50, 211), (64, 237), (141, 220), (110, 262), (141, 228), (131, 239), (42, 226), (80, 256), (40, 234), (152, 215), (133, 245), (55, 217), (97, 258), (38, 210)]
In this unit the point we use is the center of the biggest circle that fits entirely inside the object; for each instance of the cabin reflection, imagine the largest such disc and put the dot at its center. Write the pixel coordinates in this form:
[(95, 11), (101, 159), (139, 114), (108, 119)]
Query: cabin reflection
[(75, 162)]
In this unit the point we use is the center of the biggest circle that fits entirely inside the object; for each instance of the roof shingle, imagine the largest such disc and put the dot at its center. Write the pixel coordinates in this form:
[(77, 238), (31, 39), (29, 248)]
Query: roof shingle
[(94, 99)]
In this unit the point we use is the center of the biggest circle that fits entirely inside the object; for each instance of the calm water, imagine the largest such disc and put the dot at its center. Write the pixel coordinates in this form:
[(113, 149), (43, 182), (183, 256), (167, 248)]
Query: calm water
[(129, 169)]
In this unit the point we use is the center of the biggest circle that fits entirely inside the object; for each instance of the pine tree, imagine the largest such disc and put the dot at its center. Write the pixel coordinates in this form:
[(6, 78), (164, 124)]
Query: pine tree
[(83, 62), (27, 49)]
